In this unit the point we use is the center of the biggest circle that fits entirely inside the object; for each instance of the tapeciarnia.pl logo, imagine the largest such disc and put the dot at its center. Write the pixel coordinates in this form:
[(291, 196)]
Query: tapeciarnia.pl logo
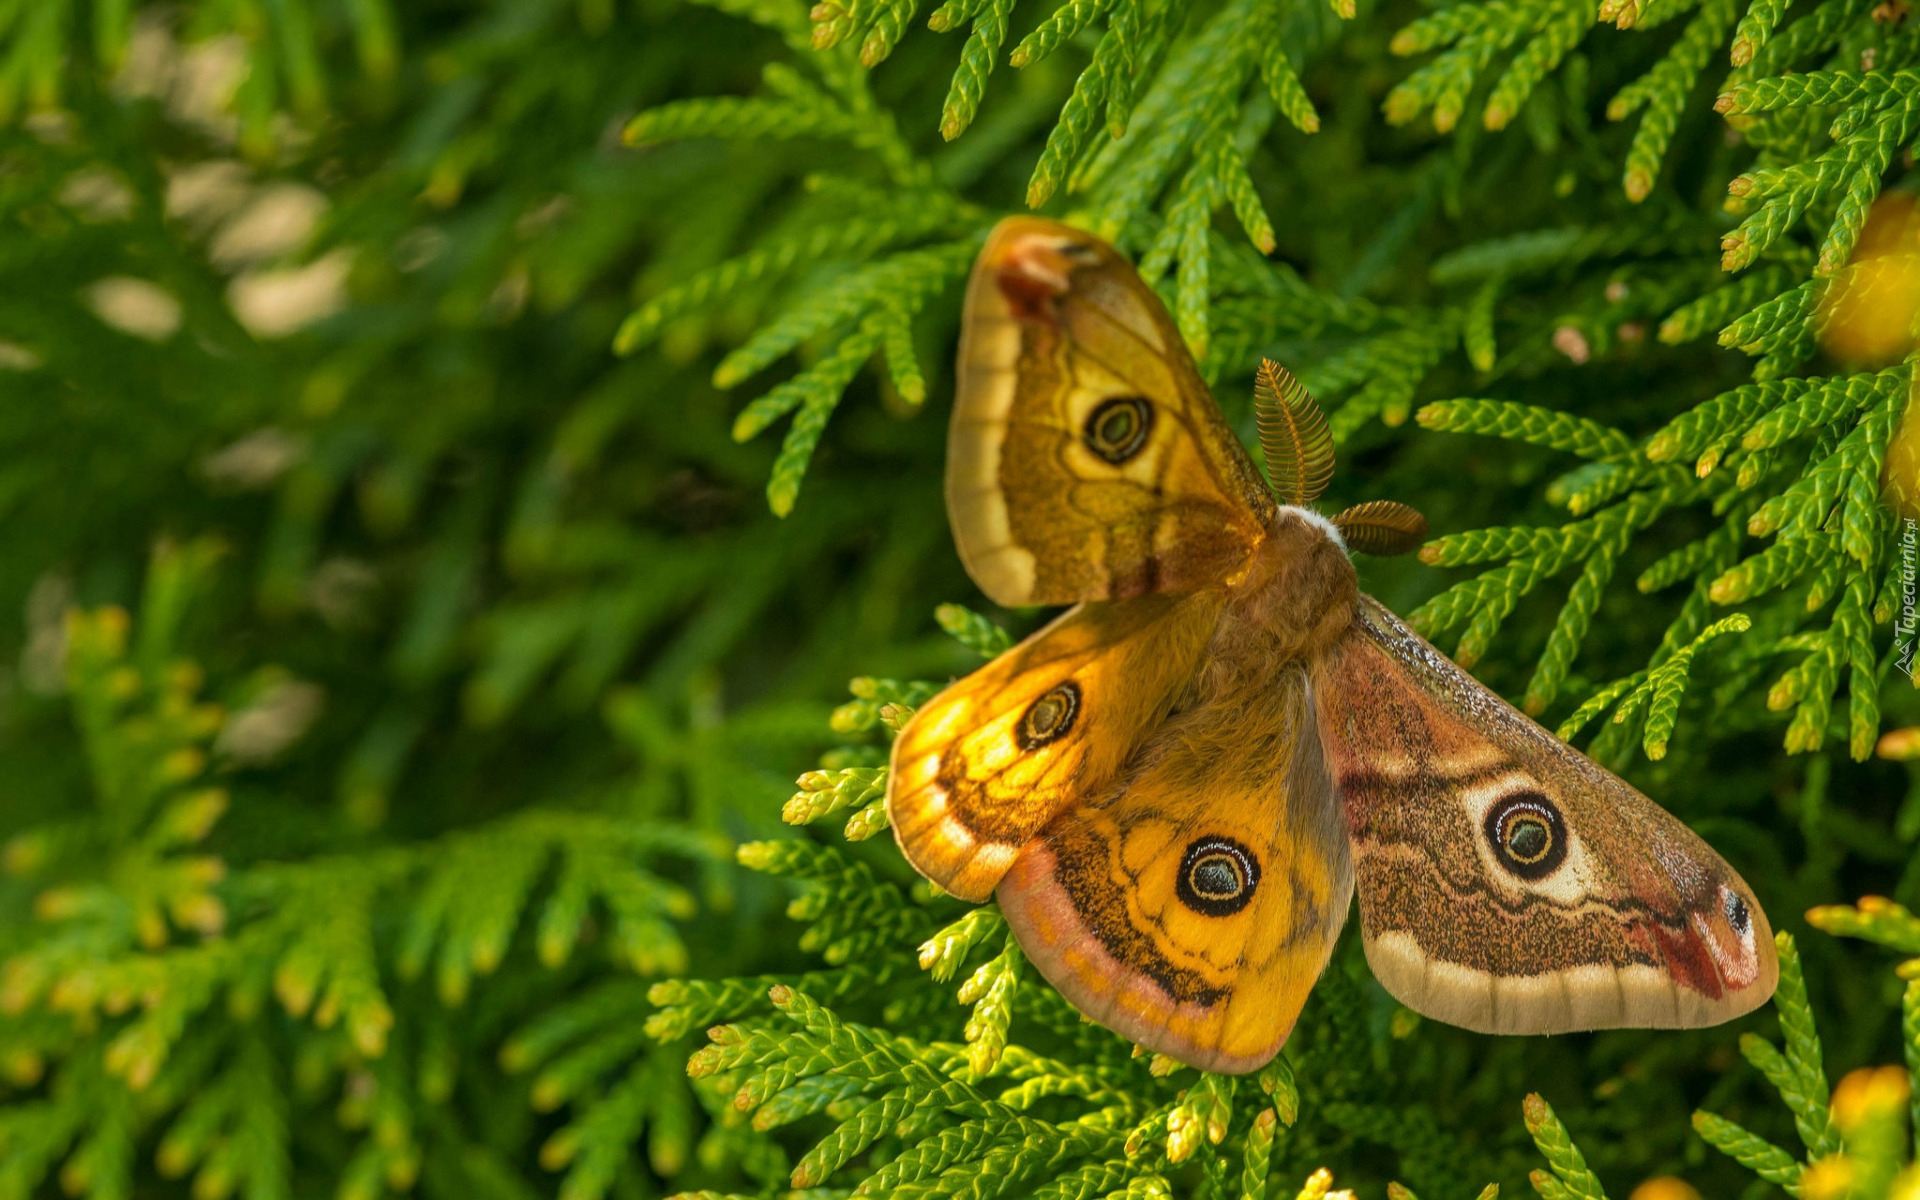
[(1905, 624)]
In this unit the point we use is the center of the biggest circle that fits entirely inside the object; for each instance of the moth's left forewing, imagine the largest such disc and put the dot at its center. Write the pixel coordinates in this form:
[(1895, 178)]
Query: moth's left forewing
[(1507, 883), (1086, 459)]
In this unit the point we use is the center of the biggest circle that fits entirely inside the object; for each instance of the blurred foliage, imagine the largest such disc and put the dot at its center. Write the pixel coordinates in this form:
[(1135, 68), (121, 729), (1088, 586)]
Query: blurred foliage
[(410, 625)]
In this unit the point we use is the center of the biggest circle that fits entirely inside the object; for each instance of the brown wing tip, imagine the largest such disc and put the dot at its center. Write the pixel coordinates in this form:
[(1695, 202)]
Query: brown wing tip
[(1382, 527), (1033, 260)]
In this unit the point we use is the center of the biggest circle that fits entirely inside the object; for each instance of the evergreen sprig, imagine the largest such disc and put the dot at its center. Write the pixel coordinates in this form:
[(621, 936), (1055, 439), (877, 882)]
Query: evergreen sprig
[(144, 937), (501, 637), (1858, 1132)]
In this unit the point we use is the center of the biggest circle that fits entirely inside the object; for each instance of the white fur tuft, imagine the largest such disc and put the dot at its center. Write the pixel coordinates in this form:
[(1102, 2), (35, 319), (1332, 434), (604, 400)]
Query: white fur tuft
[(1319, 522)]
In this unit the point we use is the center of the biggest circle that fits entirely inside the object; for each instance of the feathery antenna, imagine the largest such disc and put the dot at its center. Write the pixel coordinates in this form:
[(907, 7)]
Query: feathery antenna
[(1293, 434), (1382, 527)]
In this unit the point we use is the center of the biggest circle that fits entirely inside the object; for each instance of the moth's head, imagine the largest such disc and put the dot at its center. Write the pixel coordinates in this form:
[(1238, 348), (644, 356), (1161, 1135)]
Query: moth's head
[(1308, 558), (1302, 576), (1299, 523), (1298, 446)]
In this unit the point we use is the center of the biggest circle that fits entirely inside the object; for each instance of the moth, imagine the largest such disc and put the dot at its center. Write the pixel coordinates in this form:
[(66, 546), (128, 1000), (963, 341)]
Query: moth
[(1175, 789)]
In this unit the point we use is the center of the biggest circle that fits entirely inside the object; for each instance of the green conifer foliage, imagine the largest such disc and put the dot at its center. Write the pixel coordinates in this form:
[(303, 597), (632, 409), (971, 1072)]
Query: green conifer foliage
[(455, 453)]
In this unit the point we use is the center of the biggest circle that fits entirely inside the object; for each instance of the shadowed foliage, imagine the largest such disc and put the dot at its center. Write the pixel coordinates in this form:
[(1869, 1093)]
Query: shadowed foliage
[(456, 453)]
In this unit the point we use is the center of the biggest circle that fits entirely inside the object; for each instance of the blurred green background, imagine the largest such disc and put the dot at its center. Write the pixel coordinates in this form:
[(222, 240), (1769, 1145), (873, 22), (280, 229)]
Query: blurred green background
[(394, 665)]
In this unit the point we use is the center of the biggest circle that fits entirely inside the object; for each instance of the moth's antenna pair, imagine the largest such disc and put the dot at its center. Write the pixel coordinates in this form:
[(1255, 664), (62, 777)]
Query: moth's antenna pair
[(1299, 452)]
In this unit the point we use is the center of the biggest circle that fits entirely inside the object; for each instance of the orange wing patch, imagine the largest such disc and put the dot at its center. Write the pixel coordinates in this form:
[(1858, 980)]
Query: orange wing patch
[(985, 765), (1193, 905)]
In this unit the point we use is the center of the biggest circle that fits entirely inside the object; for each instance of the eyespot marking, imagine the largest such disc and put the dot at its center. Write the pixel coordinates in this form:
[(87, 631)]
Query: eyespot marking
[(1117, 428), (1736, 909), (1217, 876), (1049, 718), (1528, 835)]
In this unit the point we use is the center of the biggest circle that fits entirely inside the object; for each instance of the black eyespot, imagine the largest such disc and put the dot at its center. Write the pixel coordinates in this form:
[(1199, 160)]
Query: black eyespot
[(1051, 716), (1528, 839), (1527, 834), (1736, 910), (1118, 428), (1217, 877)]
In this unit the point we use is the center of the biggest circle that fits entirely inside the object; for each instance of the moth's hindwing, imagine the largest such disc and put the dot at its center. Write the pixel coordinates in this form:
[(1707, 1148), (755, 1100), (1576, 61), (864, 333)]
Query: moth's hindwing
[(1191, 904)]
